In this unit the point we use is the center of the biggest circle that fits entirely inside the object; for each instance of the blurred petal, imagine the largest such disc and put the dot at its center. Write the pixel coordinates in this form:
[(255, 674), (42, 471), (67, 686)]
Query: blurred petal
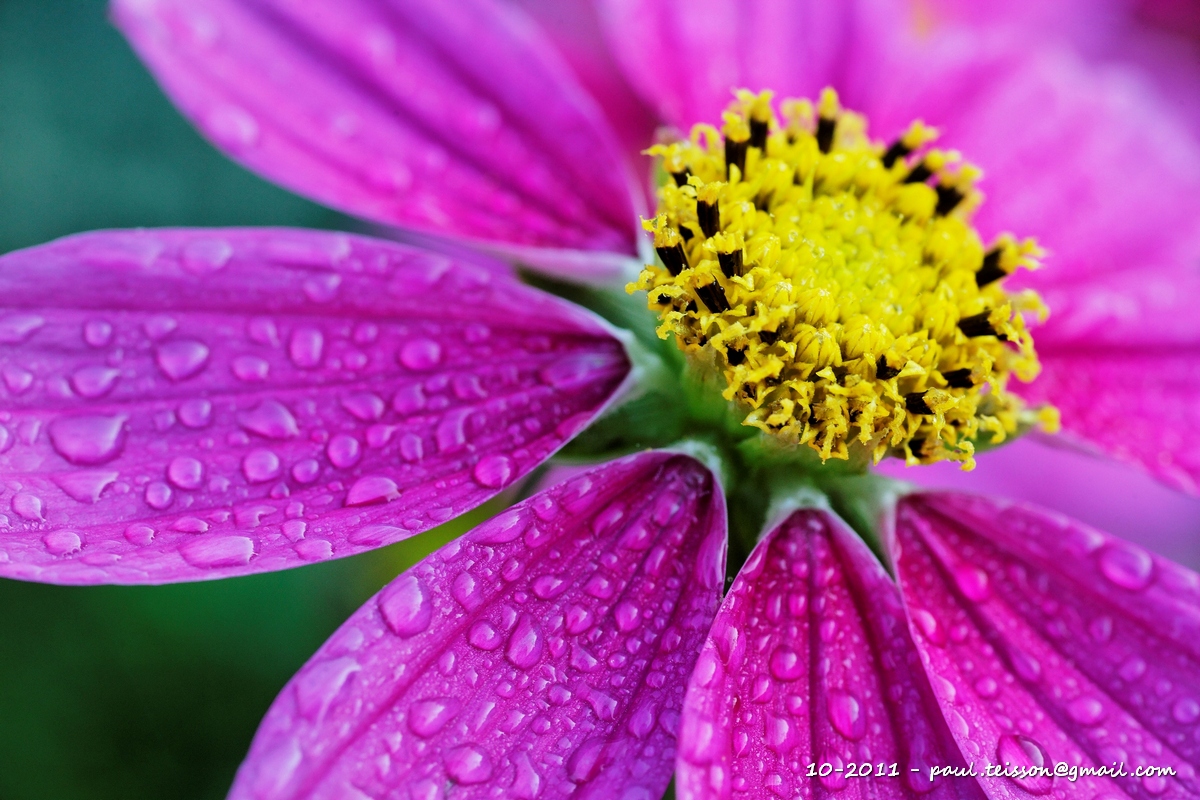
[(1052, 472), (1121, 360), (456, 118), (809, 662), (189, 404), (686, 56), (544, 655), (1049, 642)]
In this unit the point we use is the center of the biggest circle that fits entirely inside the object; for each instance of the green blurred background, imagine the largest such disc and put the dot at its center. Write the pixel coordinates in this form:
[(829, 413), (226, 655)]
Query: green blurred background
[(114, 692)]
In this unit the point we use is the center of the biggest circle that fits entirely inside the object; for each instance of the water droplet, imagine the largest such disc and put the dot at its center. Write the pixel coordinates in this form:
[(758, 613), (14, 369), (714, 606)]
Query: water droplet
[(421, 354), (364, 406), (928, 625), (185, 472), (183, 359), (575, 371), (270, 419), (972, 582), (786, 665), (467, 764), (408, 399), (1028, 668), (158, 326), (494, 471), (158, 495), (97, 332), (28, 506), (324, 287), (305, 347), (1126, 565), (1086, 710), (525, 646), (202, 256), (371, 489), (262, 330), (61, 543), (452, 431), (232, 127), (88, 440), (627, 616), (1186, 711), (1023, 752), (94, 381), (250, 369), (1101, 629), (845, 712), (343, 450), (306, 471), (484, 636), (260, 465), (212, 551), (16, 379), (427, 717), (195, 413), (584, 764), (139, 534), (16, 328), (84, 485), (1132, 669), (406, 606), (986, 687)]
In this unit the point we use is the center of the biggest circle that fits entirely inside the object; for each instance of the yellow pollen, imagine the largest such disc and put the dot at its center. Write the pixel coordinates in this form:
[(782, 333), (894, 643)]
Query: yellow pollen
[(838, 285)]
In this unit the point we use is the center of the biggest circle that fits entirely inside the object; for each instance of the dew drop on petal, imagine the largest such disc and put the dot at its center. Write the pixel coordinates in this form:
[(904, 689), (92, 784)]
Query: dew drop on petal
[(250, 369), (845, 712), (406, 606), (158, 495), (786, 664), (467, 764), (1086, 710), (185, 472), (306, 471), (195, 413), (212, 551), (1126, 565), (494, 471), (1186, 711), (270, 419), (88, 440), (371, 489), (1023, 752), (61, 543), (182, 359), (306, 347), (97, 332), (261, 465), (94, 381), (343, 450), (421, 354), (427, 717)]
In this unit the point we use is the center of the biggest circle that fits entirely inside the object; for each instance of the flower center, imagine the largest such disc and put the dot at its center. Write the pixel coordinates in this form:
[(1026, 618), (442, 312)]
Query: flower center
[(839, 286)]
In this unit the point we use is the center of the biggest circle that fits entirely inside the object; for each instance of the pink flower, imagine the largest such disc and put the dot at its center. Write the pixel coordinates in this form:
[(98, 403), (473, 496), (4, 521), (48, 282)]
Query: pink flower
[(193, 404)]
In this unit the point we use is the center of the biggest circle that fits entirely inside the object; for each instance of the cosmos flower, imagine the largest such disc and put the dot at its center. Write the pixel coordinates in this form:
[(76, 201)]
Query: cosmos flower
[(192, 404)]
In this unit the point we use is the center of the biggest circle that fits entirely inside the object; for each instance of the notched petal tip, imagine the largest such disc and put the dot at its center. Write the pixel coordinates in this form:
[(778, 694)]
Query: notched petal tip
[(543, 655), (189, 404)]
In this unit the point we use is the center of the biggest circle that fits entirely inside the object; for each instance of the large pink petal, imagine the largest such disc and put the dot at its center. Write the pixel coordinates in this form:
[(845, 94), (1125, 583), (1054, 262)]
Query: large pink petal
[(1049, 642), (809, 663), (686, 56), (188, 404), (456, 118), (544, 655)]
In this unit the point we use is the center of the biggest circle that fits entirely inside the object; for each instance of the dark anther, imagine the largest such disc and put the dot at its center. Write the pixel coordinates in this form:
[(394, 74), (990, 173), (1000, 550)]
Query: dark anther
[(735, 153), (825, 129), (709, 215), (752, 309), (772, 380), (663, 299), (959, 378), (763, 201), (673, 258), (990, 271), (897, 151), (758, 134), (768, 337), (948, 200), (714, 297), (731, 263), (681, 177), (691, 307), (920, 173), (915, 403), (977, 325), (917, 447), (686, 233), (735, 356), (884, 371)]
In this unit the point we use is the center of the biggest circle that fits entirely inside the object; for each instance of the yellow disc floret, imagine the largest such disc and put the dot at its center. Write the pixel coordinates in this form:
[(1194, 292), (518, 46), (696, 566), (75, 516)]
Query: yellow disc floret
[(838, 284)]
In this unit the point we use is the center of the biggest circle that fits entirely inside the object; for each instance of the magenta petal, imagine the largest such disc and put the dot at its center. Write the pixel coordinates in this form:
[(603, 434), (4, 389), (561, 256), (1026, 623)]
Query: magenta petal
[(180, 405), (809, 663), (544, 655), (1051, 642), (456, 118)]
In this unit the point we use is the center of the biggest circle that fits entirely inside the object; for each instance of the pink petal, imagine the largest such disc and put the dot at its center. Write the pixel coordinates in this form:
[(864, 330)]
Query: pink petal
[(686, 56), (809, 663), (456, 118), (188, 404), (1050, 642), (543, 655), (1119, 358)]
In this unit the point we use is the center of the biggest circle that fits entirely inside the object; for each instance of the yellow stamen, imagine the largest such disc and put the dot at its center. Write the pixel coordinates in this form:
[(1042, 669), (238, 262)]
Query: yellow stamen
[(839, 286)]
